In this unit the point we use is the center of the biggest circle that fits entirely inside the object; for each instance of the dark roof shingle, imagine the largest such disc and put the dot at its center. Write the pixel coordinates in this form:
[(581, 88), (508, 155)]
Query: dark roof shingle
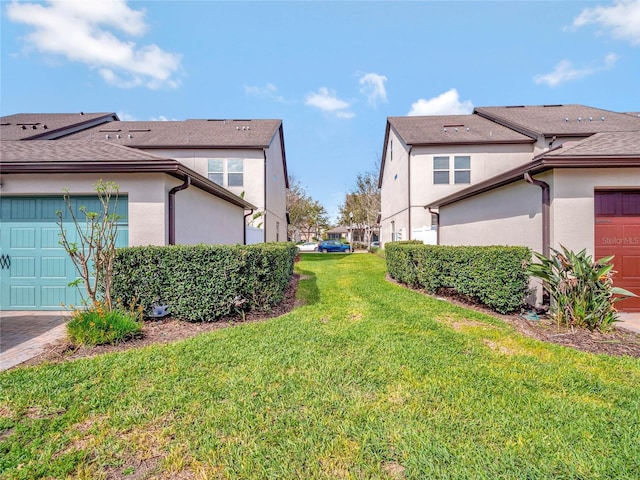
[(185, 134), (25, 126), (453, 129), (566, 120)]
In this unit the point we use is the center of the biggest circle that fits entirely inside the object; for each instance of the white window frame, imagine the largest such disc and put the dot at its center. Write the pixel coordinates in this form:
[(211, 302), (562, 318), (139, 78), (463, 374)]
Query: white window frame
[(228, 172), (438, 170)]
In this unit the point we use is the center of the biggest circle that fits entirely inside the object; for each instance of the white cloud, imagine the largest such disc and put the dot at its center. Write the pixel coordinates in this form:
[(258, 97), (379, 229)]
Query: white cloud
[(447, 103), (126, 117), (327, 101), (622, 19), (565, 71), (85, 32), (269, 91), (373, 88)]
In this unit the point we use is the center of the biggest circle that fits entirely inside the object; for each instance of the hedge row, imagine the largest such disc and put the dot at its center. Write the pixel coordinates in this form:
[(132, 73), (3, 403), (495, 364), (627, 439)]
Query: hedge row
[(494, 276), (204, 282)]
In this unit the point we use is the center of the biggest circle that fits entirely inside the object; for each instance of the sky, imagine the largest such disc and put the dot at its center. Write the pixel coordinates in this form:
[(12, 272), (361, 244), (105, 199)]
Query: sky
[(332, 71)]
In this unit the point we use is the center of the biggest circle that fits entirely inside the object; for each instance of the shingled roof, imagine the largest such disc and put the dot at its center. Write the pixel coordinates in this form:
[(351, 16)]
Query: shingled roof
[(33, 126), (185, 134), (561, 120), (453, 129), (77, 156)]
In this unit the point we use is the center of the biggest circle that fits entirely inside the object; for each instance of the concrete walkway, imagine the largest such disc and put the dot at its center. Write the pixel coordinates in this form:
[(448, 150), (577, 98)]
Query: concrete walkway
[(629, 321), (23, 335)]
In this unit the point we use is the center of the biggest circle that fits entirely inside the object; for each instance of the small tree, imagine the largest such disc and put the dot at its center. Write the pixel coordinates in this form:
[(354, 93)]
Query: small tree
[(94, 251)]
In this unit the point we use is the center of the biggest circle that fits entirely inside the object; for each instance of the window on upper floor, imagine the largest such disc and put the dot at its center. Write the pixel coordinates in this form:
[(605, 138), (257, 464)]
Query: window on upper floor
[(226, 172), (441, 170), (216, 171), (235, 172), (461, 170)]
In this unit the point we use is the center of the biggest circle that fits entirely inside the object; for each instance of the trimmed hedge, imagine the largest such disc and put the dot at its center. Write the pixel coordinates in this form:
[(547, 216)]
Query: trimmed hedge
[(204, 282), (495, 275)]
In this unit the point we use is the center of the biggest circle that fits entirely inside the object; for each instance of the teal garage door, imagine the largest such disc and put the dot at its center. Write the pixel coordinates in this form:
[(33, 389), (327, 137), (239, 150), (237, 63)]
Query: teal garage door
[(36, 270)]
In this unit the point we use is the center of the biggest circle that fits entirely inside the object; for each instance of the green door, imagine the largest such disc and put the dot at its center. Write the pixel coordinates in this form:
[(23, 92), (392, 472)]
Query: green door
[(35, 270)]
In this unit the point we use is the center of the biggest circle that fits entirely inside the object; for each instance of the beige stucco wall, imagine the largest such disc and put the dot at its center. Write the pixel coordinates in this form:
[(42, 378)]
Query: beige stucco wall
[(510, 215), (148, 213), (393, 194), (573, 205), (276, 216), (204, 218), (253, 187)]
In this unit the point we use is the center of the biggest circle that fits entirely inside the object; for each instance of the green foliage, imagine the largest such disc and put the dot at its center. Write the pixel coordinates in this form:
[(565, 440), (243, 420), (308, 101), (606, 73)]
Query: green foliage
[(365, 380), (581, 289), (205, 282), (494, 275), (94, 250), (98, 326)]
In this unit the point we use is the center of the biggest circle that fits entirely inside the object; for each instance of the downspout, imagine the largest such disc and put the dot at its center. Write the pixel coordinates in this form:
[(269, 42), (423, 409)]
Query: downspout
[(546, 203), (409, 191), (437, 214), (244, 231), (172, 209), (264, 208)]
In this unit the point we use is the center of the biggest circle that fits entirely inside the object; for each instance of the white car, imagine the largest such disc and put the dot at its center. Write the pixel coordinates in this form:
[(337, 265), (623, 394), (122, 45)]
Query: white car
[(308, 247)]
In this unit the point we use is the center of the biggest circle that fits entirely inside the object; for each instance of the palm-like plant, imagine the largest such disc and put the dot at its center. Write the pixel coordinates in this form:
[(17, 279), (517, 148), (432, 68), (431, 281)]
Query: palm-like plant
[(580, 288)]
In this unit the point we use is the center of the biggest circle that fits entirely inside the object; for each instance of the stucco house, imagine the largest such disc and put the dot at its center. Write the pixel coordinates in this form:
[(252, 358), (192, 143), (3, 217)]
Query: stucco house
[(246, 157), (559, 175), (162, 200)]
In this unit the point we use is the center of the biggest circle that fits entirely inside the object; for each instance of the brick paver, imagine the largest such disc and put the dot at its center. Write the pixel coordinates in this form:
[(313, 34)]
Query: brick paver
[(23, 335)]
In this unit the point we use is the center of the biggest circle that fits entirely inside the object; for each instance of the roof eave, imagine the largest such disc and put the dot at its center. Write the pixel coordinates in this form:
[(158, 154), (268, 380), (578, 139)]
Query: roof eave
[(171, 167)]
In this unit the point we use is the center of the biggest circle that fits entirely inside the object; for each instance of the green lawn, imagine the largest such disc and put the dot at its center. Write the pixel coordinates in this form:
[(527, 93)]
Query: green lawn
[(367, 380)]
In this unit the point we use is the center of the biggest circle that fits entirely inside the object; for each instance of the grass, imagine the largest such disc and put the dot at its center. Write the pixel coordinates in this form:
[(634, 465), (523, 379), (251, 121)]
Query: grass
[(367, 380)]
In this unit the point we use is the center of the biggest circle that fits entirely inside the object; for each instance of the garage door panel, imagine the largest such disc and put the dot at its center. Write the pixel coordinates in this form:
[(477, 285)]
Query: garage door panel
[(23, 267), (22, 296), (23, 237), (50, 238), (630, 268), (617, 233), (53, 296), (53, 267), (38, 270), (23, 209)]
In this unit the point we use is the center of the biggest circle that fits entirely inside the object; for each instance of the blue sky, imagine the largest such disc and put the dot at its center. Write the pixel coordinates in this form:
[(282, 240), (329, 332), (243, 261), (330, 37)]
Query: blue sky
[(332, 71)]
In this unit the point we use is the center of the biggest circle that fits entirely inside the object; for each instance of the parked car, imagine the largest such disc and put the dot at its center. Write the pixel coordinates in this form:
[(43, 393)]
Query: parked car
[(308, 247), (333, 246)]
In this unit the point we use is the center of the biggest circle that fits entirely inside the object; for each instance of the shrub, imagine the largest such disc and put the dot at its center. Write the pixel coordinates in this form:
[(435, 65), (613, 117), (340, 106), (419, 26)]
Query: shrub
[(494, 276), (581, 289), (98, 326), (205, 282)]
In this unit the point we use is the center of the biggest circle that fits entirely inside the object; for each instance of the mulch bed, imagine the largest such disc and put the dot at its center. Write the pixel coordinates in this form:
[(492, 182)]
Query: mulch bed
[(617, 342)]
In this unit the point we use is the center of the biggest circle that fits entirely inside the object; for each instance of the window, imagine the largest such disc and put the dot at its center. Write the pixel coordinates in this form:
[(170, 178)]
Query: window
[(234, 172), (231, 169), (461, 170), (391, 150), (216, 171), (393, 231), (441, 170)]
